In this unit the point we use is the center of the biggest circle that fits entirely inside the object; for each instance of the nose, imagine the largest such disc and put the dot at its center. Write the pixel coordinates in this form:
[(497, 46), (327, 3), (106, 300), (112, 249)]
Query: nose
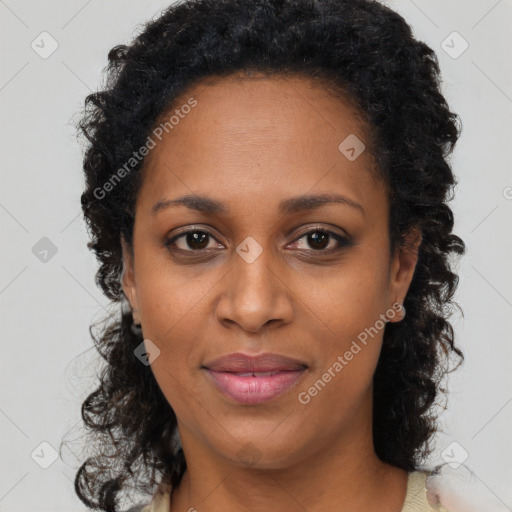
[(254, 295)]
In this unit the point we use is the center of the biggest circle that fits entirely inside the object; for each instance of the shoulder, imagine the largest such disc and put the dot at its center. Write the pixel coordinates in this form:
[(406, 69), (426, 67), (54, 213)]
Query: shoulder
[(417, 498), (459, 489)]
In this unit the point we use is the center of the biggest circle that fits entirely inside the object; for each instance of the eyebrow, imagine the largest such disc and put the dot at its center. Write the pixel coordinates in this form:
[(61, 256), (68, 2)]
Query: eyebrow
[(291, 205)]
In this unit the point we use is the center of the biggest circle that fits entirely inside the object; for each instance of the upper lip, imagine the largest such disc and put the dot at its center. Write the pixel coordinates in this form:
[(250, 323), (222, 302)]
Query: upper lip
[(268, 362)]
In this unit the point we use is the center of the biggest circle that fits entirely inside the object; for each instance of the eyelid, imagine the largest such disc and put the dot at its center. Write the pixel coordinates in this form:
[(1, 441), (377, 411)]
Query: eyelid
[(204, 228), (323, 229)]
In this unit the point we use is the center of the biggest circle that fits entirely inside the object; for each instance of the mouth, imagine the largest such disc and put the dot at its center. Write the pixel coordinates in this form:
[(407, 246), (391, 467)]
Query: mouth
[(254, 379), (254, 387)]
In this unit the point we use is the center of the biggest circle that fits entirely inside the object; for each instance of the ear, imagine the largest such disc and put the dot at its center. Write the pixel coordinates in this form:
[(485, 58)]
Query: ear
[(128, 280), (403, 266)]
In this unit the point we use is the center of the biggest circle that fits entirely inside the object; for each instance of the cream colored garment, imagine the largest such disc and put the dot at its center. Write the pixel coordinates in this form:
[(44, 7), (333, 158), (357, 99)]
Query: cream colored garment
[(415, 499)]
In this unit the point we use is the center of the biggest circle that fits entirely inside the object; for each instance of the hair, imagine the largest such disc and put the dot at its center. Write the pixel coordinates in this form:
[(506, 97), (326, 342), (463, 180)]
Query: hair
[(364, 51)]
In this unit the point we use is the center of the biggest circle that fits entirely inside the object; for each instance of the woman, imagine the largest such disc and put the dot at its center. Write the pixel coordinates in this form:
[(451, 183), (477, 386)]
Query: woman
[(266, 192)]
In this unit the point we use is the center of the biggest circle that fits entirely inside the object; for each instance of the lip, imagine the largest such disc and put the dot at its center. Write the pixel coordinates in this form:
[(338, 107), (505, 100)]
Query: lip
[(229, 374), (254, 389), (267, 362)]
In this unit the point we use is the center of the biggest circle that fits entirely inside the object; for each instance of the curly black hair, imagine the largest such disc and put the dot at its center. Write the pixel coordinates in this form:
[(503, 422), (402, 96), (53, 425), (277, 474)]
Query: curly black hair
[(360, 49)]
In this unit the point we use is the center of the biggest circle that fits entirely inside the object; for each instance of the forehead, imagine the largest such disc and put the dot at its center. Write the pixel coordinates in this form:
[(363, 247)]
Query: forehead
[(249, 134), (265, 107)]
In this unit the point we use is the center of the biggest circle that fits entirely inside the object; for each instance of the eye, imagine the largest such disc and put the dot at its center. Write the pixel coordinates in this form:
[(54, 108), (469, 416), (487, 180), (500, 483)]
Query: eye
[(322, 240), (193, 240), (197, 241)]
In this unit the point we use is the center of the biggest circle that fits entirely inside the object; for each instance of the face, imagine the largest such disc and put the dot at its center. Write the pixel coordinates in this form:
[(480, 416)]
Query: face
[(262, 273)]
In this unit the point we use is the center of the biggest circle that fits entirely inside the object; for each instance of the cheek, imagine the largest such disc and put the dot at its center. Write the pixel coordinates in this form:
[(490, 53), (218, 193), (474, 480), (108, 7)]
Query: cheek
[(344, 301), (173, 312), (348, 330), (172, 301), (343, 314), (177, 326)]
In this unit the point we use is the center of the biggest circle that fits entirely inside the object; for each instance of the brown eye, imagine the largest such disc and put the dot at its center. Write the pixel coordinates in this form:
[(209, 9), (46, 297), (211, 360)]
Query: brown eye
[(191, 241), (197, 239), (320, 240)]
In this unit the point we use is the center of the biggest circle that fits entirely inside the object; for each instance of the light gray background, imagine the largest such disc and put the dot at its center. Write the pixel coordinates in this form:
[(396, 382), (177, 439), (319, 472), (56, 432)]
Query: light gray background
[(47, 366)]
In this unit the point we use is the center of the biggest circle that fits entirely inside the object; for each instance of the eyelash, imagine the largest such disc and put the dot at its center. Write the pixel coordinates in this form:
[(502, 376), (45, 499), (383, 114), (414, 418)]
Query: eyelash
[(342, 241)]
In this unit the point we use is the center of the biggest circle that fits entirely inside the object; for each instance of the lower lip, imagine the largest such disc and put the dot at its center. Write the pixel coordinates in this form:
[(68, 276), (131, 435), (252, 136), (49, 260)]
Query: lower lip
[(254, 390)]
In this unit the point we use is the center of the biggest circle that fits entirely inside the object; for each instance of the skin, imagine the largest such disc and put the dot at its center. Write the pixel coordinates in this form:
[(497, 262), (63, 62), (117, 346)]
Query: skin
[(252, 143)]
